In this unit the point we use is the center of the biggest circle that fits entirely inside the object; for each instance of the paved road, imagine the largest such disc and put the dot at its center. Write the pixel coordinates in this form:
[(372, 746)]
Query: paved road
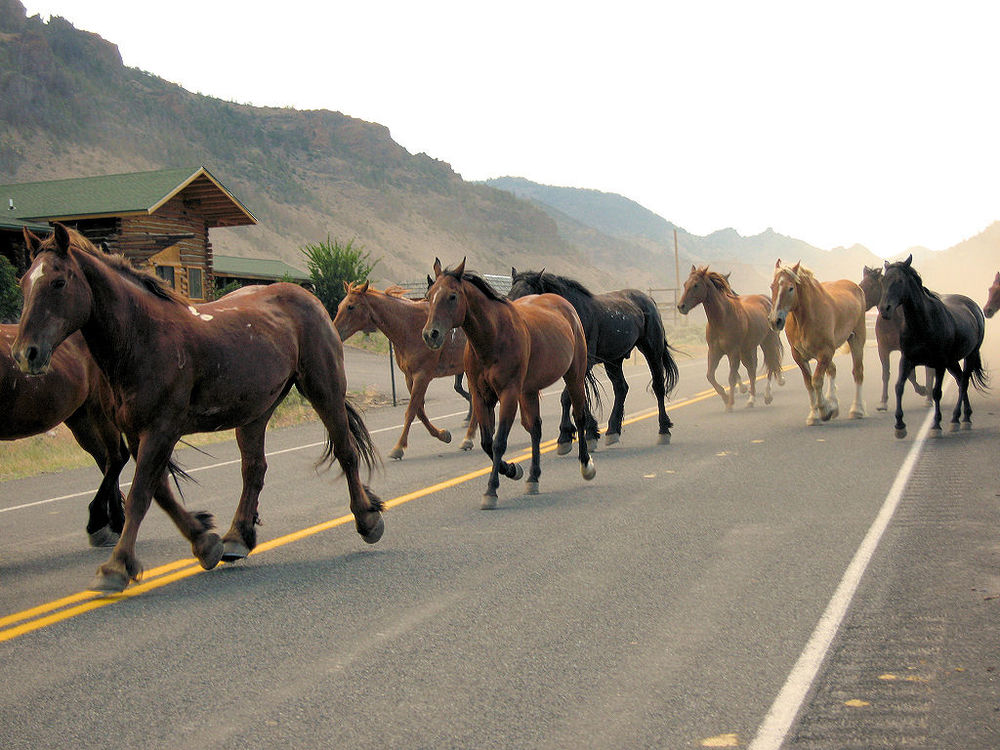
[(666, 604)]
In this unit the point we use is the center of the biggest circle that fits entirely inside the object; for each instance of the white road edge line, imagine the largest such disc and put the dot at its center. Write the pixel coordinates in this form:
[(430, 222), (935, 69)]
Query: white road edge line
[(783, 712)]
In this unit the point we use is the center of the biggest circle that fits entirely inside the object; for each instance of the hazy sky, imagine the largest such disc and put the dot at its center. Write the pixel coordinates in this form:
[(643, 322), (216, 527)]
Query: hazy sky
[(838, 123)]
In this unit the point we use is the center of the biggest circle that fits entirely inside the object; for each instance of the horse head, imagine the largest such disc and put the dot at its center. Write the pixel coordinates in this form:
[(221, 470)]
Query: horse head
[(448, 304), (57, 298), (871, 285), (354, 313), (993, 301), (694, 290), (523, 283), (783, 294), (897, 282)]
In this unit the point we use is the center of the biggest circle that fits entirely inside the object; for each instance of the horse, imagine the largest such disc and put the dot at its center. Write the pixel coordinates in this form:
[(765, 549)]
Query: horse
[(887, 337), (73, 391), (938, 331), (615, 323), (401, 320), (737, 326), (515, 348), (992, 298), (817, 318), (175, 368)]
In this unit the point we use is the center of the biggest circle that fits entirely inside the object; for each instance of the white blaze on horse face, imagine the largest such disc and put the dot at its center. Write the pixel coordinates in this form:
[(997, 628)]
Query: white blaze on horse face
[(35, 276)]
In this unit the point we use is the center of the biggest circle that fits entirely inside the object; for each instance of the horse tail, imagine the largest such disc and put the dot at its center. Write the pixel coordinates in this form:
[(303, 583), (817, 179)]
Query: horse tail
[(592, 389), (670, 371), (362, 440), (774, 354), (978, 376)]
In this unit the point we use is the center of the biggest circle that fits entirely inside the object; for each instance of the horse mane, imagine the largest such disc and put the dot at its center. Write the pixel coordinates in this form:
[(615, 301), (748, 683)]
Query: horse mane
[(915, 276), (121, 265), (394, 291), (480, 283), (556, 284), (719, 281)]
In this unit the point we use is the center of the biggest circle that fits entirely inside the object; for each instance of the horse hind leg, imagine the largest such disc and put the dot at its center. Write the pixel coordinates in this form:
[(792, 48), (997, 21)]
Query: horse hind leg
[(620, 387), (750, 363), (241, 538), (564, 443), (101, 439)]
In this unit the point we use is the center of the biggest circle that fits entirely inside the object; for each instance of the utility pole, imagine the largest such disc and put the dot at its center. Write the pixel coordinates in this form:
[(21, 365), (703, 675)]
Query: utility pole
[(677, 276)]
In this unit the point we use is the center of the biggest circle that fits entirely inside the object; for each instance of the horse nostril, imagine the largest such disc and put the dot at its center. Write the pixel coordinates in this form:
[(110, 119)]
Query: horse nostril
[(31, 353)]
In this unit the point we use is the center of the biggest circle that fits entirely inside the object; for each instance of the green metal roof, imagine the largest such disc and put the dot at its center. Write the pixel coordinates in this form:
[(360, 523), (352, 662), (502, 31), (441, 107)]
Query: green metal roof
[(114, 195), (17, 224), (256, 268)]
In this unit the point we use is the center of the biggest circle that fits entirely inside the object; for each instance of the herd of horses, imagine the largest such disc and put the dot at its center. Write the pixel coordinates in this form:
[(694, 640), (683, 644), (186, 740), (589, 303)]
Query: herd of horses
[(131, 366)]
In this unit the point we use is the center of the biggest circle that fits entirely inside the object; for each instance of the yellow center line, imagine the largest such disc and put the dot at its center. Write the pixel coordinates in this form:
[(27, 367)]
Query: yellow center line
[(70, 606)]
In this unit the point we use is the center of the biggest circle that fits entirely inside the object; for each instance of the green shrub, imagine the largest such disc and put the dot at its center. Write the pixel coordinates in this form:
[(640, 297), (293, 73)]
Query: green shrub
[(331, 264)]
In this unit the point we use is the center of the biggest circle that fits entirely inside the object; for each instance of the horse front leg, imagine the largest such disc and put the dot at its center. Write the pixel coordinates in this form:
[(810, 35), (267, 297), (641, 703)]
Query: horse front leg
[(857, 410), (962, 378), (578, 394), (826, 370), (96, 435), (531, 420), (564, 443), (411, 411), (468, 397), (505, 419), (620, 388), (883, 355), (750, 363), (714, 357), (803, 362), (904, 371)]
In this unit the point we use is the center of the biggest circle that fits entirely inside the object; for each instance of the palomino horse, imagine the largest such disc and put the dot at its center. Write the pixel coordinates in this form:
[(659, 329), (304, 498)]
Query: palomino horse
[(937, 331), (614, 323), (401, 320), (514, 350), (993, 298), (176, 368), (75, 392), (818, 318), (887, 337), (737, 326)]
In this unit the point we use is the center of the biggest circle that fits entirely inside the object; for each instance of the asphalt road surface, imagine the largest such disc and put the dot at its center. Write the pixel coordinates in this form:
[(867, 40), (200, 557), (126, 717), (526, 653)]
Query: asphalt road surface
[(757, 583)]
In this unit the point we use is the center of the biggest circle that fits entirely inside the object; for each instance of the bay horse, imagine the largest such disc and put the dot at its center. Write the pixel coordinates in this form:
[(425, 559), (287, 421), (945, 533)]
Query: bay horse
[(887, 338), (514, 350), (817, 318), (737, 326), (992, 298), (365, 308), (938, 331), (73, 391), (175, 368), (614, 324)]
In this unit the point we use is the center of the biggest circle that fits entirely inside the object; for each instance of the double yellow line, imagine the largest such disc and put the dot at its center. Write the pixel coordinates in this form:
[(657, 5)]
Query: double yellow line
[(50, 613)]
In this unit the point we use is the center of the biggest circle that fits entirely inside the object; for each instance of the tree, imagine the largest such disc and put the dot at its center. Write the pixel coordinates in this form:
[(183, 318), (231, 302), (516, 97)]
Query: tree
[(10, 292), (331, 264)]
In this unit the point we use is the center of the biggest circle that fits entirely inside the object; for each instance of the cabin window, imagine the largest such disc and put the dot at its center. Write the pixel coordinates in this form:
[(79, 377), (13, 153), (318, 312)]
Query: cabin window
[(167, 274), (196, 287)]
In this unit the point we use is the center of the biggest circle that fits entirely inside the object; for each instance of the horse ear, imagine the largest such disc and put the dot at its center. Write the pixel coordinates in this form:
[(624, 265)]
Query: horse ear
[(430, 281), (347, 286), (363, 288), (997, 279), (726, 277), (908, 261), (437, 267), (62, 238), (777, 264), (513, 272), (795, 268), (31, 241), (886, 264), (693, 269), (461, 269)]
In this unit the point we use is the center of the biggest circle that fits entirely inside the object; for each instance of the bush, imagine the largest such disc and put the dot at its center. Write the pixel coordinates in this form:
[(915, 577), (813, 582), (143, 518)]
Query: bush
[(10, 292), (331, 264)]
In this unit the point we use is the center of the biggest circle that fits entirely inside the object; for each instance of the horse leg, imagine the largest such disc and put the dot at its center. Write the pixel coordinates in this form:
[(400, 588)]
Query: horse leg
[(531, 420), (419, 392), (101, 439), (734, 379), (961, 377), (654, 353), (507, 412), (750, 363), (564, 443), (807, 378), (883, 355), (411, 411), (904, 372), (470, 430), (936, 393), (241, 538), (620, 387), (714, 357), (578, 394), (857, 345), (928, 386), (468, 397)]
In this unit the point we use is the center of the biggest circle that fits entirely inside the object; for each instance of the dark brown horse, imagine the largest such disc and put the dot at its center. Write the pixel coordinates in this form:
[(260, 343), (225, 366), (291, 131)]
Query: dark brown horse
[(887, 338), (176, 368), (75, 392), (402, 320), (993, 298), (737, 326), (514, 350)]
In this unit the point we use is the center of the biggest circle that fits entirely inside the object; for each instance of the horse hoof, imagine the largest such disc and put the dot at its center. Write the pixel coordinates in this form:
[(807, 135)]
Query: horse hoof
[(563, 448), (768, 399), (211, 550), (589, 471), (466, 445), (954, 427), (857, 414), (445, 436), (465, 422), (103, 537), (966, 425), (376, 533), (750, 404), (882, 407), (518, 472), (663, 439), (729, 408), (234, 550), (489, 502), (396, 453), (530, 488), (109, 583), (937, 432), (610, 438)]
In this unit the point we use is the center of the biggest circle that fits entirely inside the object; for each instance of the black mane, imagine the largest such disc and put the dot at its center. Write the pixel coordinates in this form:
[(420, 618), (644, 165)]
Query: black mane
[(480, 283), (553, 283), (913, 275)]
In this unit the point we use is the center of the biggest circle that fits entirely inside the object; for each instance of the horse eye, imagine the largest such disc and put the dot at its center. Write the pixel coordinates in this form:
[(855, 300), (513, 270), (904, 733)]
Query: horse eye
[(791, 290), (58, 283), (350, 307), (452, 297)]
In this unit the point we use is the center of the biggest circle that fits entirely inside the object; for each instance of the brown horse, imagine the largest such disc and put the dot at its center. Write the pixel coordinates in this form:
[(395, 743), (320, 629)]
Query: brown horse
[(175, 368), (993, 298), (737, 326), (514, 350), (401, 320), (818, 318), (887, 338), (75, 392)]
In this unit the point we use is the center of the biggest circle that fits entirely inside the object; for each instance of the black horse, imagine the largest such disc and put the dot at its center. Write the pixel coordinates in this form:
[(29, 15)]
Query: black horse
[(937, 331), (615, 323)]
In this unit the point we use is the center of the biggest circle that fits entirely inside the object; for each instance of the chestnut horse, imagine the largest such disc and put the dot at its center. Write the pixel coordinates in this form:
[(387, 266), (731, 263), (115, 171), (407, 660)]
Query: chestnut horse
[(887, 338), (737, 326), (993, 298), (938, 331), (176, 368), (75, 392), (817, 318), (401, 320), (514, 350)]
